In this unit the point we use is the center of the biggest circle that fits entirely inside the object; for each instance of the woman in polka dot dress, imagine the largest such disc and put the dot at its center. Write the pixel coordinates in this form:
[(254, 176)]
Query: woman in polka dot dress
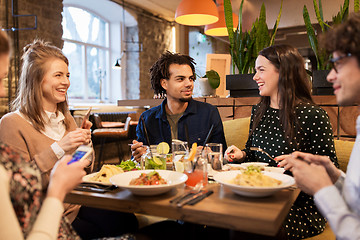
[(287, 120)]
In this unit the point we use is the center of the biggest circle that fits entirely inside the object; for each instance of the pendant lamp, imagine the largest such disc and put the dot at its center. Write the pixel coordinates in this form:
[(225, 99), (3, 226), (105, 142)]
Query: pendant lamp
[(219, 28), (196, 12)]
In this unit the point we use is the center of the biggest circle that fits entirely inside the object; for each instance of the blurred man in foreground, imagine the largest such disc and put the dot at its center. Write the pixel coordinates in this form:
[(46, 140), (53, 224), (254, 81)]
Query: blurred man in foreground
[(336, 194)]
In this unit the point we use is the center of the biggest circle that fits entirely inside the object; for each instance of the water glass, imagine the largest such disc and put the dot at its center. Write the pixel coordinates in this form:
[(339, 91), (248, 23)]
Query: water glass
[(179, 150), (215, 155)]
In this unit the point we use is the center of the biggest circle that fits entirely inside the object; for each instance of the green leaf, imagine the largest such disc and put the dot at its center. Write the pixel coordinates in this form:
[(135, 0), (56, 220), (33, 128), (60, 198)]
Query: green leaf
[(276, 25), (213, 78), (356, 5), (319, 14), (311, 33)]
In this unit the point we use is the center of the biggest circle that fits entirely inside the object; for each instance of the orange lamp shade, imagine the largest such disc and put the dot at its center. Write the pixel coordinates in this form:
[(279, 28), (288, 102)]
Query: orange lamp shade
[(196, 12), (219, 28)]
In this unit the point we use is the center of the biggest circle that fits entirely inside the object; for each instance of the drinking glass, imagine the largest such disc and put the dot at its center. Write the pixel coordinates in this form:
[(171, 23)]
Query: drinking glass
[(196, 171), (179, 150), (215, 155), (153, 160)]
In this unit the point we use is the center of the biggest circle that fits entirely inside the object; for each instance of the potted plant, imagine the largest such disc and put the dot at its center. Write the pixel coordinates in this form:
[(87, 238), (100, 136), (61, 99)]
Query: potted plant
[(209, 83), (244, 48), (320, 85)]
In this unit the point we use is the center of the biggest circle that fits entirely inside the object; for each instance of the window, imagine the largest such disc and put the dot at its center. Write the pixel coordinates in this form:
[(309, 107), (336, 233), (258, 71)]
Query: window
[(86, 44)]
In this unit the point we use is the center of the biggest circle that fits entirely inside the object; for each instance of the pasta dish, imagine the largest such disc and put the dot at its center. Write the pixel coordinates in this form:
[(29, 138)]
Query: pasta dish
[(253, 177), (105, 173)]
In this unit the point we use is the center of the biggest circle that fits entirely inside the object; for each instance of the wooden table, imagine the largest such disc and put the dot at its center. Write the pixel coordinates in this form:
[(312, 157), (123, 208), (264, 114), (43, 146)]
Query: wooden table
[(222, 209)]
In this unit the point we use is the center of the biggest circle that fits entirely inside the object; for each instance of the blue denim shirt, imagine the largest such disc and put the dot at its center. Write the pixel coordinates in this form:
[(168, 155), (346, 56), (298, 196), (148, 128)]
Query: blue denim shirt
[(198, 116)]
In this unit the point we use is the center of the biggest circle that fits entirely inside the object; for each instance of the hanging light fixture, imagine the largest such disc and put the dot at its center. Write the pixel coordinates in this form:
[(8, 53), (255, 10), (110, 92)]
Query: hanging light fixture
[(196, 12), (219, 28), (117, 65)]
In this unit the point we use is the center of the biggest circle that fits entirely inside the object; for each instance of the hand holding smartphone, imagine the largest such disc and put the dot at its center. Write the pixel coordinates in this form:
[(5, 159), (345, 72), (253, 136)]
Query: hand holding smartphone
[(80, 154), (86, 117)]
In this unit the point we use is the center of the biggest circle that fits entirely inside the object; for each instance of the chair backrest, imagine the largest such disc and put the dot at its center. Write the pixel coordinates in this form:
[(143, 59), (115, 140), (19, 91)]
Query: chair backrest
[(97, 121), (127, 124)]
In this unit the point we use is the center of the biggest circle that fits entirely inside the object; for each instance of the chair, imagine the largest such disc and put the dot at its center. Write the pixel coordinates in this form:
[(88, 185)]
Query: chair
[(105, 133)]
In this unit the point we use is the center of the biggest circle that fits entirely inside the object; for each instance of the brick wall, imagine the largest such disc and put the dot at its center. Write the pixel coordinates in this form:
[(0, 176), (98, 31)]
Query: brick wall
[(48, 28)]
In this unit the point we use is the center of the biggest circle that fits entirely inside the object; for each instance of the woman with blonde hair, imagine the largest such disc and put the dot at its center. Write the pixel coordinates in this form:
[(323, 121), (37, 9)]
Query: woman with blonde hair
[(43, 130)]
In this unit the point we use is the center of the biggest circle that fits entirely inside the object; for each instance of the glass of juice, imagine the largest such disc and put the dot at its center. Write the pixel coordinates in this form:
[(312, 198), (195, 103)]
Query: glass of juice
[(197, 172)]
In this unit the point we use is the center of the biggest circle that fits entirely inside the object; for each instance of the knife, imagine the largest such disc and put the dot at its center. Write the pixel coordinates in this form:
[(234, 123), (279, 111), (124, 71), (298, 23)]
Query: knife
[(195, 196), (198, 199)]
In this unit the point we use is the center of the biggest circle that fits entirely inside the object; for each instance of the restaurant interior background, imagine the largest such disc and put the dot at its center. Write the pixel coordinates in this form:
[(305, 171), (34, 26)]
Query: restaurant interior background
[(96, 34)]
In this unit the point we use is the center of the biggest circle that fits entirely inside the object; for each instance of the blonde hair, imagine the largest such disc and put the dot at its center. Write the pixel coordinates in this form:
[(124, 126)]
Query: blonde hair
[(29, 97)]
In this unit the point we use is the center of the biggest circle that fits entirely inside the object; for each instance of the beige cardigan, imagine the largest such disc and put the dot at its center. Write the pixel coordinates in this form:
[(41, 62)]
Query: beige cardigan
[(21, 136)]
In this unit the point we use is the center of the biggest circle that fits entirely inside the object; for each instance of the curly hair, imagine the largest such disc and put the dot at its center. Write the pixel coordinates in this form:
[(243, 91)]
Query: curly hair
[(345, 37), (160, 69)]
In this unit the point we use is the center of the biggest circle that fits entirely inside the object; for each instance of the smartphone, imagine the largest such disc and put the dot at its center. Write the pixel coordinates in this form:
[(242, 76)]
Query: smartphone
[(86, 117), (80, 154)]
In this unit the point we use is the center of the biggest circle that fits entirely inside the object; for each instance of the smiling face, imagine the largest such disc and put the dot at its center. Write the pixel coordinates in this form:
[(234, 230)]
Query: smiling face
[(4, 67), (180, 84), (346, 82), (55, 84), (267, 78)]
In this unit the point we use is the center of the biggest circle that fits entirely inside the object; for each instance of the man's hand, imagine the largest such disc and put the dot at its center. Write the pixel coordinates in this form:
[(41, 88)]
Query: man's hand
[(137, 150), (310, 178), (333, 172)]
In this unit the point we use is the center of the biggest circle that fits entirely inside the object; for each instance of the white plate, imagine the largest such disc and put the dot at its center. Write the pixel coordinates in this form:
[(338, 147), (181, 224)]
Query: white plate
[(260, 164), (172, 178), (274, 169), (233, 167), (225, 177), (87, 178)]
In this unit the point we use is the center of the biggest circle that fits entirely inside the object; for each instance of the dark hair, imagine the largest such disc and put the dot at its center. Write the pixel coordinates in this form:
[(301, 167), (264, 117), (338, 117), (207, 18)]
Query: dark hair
[(4, 43), (345, 37), (160, 69), (294, 87)]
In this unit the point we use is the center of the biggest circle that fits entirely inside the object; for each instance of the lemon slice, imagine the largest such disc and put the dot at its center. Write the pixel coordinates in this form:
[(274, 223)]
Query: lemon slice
[(193, 151), (179, 166), (157, 161), (163, 148)]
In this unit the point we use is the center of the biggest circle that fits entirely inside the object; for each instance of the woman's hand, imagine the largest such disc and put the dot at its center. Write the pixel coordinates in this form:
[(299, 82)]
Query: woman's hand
[(137, 150), (87, 125), (64, 177), (74, 139), (233, 153)]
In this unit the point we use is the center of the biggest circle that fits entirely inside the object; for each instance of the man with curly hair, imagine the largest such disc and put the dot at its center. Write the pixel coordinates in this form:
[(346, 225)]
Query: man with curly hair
[(173, 75), (337, 195)]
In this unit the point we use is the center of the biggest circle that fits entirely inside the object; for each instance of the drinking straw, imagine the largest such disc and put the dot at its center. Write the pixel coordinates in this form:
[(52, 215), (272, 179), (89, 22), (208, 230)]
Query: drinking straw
[(187, 135), (205, 142), (146, 135)]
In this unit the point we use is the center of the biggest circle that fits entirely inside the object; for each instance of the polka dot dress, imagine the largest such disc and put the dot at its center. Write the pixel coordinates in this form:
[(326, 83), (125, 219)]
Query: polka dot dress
[(314, 136)]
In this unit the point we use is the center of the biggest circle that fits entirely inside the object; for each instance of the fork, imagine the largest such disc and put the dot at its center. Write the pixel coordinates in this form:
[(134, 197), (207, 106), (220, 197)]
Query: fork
[(261, 150)]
